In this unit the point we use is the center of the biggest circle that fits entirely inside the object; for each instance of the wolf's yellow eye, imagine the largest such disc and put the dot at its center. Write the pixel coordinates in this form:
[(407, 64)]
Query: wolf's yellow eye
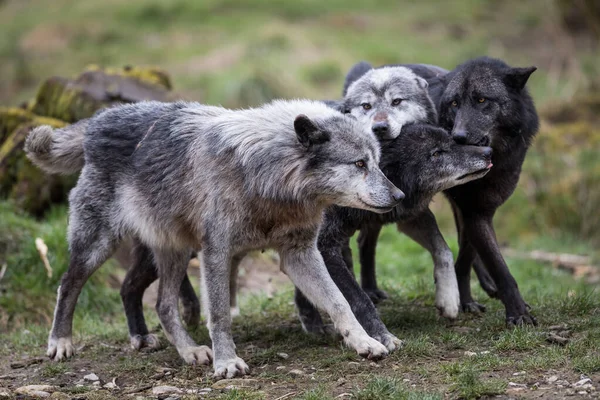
[(360, 164), (366, 106), (396, 102), (481, 100), (454, 103)]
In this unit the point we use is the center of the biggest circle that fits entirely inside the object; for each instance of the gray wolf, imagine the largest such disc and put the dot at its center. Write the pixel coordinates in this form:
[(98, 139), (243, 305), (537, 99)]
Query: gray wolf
[(485, 102), (423, 160), (394, 97), (182, 176)]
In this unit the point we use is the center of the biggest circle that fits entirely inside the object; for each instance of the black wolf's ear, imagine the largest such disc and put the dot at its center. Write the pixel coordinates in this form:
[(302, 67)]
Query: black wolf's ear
[(355, 73), (517, 77), (308, 133)]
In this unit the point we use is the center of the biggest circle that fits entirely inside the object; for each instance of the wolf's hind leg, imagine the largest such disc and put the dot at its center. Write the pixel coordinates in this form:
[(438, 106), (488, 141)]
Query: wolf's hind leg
[(140, 275), (423, 229), (309, 315), (172, 267), (91, 244)]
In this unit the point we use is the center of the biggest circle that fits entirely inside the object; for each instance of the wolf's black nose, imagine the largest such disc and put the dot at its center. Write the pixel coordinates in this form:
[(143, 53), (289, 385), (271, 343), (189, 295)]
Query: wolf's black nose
[(460, 137), (380, 128), (398, 194)]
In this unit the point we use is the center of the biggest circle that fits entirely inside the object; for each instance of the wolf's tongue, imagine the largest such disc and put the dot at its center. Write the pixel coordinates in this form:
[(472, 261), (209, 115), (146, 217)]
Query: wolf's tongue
[(490, 166)]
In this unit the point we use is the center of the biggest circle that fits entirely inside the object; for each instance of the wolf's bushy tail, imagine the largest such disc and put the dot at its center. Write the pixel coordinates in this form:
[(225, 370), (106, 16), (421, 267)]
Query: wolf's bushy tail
[(57, 151)]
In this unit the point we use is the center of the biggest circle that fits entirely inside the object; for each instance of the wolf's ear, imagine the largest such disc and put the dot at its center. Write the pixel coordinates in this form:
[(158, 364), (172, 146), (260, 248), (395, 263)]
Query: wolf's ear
[(422, 83), (517, 77), (308, 133), (355, 73)]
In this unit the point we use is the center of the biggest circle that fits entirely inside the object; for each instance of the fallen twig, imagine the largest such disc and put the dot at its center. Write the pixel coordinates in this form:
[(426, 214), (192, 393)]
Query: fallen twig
[(43, 250), (579, 266), (3, 270)]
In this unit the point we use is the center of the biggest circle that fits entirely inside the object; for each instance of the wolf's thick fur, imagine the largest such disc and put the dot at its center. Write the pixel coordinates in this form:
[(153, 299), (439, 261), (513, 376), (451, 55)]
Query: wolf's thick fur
[(184, 176), (423, 161), (507, 121)]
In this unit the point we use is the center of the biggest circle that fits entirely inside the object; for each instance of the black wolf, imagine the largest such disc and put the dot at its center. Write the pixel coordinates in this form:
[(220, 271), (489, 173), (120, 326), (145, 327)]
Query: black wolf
[(483, 102), (423, 160)]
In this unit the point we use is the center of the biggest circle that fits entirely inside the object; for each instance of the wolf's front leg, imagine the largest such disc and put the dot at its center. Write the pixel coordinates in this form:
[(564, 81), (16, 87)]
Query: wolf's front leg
[(306, 269), (423, 229), (172, 267), (216, 273)]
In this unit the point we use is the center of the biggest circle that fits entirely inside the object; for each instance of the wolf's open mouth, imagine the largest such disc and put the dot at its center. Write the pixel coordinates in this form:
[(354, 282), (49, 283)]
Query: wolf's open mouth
[(481, 172)]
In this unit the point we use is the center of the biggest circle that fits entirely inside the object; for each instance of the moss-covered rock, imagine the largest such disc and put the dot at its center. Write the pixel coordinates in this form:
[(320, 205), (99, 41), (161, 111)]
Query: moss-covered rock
[(60, 101)]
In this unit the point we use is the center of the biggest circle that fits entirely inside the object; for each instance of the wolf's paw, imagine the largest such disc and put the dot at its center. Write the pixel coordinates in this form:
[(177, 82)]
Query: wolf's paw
[(230, 368), (196, 355), (60, 349), (390, 341), (149, 341), (521, 320), (448, 303), (473, 307), (368, 347), (376, 295)]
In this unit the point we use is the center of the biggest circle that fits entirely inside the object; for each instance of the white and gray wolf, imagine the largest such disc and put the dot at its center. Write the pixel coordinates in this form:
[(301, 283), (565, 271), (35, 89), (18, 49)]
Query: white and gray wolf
[(484, 102), (182, 176)]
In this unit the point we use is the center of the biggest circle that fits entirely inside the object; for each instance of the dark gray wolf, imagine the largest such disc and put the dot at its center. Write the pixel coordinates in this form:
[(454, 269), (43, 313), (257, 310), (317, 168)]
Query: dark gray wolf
[(423, 160), (185, 176), (383, 101), (483, 102)]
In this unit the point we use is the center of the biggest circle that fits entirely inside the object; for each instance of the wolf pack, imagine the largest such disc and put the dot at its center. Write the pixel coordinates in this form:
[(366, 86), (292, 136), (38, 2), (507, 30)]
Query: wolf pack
[(300, 177)]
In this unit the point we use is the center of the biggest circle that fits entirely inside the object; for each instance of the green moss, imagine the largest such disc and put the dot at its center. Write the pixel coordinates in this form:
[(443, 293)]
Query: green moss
[(149, 75)]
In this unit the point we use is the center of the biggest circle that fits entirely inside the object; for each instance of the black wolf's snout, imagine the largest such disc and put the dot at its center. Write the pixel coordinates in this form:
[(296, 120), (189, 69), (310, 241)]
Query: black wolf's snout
[(381, 128)]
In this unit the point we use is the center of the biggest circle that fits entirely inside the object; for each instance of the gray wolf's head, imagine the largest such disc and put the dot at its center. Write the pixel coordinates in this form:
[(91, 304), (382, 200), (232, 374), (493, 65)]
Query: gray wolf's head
[(484, 97), (343, 163), (425, 158), (385, 99)]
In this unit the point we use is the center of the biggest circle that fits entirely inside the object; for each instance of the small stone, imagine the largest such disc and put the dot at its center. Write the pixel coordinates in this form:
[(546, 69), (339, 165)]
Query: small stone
[(582, 392), (296, 372), (470, 354), (279, 368), (70, 373), (582, 382), (205, 390), (97, 383), (570, 392), (519, 373), (158, 390), (39, 391), (91, 377), (284, 356), (341, 381), (552, 379), (513, 384), (110, 385), (235, 383), (405, 380), (5, 394)]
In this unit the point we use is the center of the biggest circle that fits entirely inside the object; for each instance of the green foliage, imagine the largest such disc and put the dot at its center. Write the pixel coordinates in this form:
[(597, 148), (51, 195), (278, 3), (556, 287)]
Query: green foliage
[(28, 293)]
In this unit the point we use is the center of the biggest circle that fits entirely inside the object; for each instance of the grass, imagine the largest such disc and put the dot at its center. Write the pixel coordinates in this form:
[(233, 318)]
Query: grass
[(435, 361)]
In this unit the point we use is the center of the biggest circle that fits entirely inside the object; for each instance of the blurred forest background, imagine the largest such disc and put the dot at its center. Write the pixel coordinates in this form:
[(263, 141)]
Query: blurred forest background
[(243, 53)]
